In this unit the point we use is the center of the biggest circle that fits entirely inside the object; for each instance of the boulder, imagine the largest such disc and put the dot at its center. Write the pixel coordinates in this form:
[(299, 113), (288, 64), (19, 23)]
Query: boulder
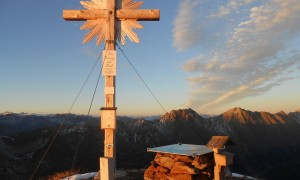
[(164, 161), (161, 175), (182, 168), (201, 159), (163, 169), (159, 155), (182, 158), (179, 177), (170, 155), (156, 173), (150, 173)]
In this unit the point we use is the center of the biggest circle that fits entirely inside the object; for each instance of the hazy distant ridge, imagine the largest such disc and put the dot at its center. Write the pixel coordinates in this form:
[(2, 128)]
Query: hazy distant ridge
[(267, 144)]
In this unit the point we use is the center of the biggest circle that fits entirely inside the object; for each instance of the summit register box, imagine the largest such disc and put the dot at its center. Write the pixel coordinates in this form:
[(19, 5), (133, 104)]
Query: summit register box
[(108, 118)]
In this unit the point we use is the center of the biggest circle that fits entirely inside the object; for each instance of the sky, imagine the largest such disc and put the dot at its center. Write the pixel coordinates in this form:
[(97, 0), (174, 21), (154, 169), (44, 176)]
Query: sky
[(206, 55)]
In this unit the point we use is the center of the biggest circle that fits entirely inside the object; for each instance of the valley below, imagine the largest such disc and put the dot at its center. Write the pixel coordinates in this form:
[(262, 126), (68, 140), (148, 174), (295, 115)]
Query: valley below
[(266, 145)]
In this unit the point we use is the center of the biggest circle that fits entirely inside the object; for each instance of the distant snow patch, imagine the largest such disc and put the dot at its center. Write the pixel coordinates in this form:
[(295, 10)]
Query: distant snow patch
[(81, 176), (90, 175), (241, 176)]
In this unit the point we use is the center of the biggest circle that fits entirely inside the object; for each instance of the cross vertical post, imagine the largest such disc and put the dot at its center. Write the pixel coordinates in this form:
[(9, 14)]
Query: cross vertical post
[(110, 45), (102, 17)]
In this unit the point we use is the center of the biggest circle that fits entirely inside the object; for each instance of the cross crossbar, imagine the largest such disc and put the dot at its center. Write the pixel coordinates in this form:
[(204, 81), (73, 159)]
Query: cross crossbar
[(122, 14)]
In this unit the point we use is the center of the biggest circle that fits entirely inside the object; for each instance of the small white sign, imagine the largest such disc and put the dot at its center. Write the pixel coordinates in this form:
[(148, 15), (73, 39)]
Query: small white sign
[(109, 63)]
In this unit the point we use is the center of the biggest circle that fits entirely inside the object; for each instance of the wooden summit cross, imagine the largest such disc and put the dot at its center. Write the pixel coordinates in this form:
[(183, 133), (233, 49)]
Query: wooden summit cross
[(109, 20)]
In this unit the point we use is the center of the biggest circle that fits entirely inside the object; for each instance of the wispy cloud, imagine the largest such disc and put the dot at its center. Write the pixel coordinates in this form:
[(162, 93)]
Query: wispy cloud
[(252, 54), (184, 36), (231, 6)]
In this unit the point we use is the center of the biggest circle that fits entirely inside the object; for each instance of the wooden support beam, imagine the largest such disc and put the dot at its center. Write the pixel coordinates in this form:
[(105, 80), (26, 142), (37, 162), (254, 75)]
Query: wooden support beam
[(106, 168), (109, 143), (110, 28), (122, 14), (83, 15), (223, 158), (110, 45), (110, 98), (138, 14), (217, 172)]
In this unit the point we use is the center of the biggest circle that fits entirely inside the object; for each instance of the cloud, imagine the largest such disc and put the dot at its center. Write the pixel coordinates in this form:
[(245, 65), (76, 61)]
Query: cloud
[(254, 53), (185, 37), (231, 6)]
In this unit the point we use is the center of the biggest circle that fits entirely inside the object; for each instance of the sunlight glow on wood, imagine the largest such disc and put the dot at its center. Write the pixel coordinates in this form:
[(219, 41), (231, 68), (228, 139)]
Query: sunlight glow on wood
[(124, 27)]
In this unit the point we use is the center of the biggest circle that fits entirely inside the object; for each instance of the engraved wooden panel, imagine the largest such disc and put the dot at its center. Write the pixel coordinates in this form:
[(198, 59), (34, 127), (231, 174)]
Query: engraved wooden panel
[(109, 63)]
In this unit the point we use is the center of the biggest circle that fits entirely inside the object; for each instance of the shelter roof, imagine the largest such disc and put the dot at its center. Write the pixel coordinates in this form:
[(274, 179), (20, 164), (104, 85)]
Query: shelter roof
[(219, 142), (182, 149)]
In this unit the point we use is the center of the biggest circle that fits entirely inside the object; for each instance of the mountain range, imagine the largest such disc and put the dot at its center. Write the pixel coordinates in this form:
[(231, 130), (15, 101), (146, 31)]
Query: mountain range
[(266, 145)]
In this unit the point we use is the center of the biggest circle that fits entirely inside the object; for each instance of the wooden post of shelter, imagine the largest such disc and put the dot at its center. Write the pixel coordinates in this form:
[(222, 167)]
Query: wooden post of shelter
[(109, 20), (222, 158)]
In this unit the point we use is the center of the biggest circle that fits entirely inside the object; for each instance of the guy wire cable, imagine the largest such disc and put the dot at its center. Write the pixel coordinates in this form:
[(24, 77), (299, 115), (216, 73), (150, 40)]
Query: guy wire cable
[(141, 78), (76, 152), (63, 121)]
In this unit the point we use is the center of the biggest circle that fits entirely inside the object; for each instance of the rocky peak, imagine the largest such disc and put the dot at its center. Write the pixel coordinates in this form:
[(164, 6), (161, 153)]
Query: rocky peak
[(238, 114), (295, 115), (8, 113), (138, 122), (244, 116), (281, 114), (181, 115)]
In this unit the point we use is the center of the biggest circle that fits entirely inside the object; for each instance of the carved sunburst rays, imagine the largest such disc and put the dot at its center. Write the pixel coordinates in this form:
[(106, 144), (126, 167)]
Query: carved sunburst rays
[(126, 29), (98, 27), (94, 4), (130, 4)]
